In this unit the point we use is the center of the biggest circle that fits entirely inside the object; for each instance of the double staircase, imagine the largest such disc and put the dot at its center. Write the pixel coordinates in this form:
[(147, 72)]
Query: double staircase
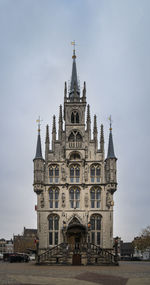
[(81, 254)]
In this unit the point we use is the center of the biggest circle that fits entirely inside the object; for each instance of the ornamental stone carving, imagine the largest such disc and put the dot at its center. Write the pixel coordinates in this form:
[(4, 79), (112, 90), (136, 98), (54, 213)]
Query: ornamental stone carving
[(63, 172), (63, 200)]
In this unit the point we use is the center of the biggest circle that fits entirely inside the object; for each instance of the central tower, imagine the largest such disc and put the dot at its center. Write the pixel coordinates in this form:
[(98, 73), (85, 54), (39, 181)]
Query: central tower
[(75, 183)]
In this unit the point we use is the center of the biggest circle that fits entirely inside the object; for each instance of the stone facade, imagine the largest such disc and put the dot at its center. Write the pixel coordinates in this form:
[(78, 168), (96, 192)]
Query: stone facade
[(74, 183)]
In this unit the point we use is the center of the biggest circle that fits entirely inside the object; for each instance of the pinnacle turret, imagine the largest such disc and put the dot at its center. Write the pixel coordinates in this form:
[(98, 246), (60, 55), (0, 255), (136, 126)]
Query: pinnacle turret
[(38, 146), (95, 128), (47, 135), (60, 124), (102, 139)]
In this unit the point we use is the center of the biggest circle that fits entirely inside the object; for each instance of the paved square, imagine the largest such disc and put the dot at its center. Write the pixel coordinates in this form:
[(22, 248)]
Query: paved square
[(130, 273)]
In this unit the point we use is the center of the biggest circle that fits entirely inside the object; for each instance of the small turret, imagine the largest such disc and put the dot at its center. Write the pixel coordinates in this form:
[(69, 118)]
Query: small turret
[(38, 164), (110, 169), (60, 124)]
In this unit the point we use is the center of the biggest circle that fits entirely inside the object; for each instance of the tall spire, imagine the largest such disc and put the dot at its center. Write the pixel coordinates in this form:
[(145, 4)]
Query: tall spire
[(38, 146), (110, 153), (74, 86)]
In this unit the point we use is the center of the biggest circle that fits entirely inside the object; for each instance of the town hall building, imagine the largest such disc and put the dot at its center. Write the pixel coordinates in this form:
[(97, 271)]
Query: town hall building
[(75, 183)]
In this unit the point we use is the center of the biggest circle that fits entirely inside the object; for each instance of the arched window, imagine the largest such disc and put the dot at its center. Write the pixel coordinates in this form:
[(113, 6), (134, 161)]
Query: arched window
[(53, 173), (53, 197), (95, 173), (74, 173), (75, 117), (72, 118), (74, 195), (53, 221), (95, 229), (95, 197)]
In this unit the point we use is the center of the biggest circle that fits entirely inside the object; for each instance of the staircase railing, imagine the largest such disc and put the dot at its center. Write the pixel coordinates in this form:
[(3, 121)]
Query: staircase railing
[(91, 250)]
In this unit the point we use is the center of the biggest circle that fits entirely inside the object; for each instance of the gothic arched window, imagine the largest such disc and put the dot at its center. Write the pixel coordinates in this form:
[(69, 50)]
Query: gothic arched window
[(53, 173), (74, 196), (95, 194), (75, 117), (72, 118), (95, 229), (74, 173), (53, 197), (53, 221), (95, 173)]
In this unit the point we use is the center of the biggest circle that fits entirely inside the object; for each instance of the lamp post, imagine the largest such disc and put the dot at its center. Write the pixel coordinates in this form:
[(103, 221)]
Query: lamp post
[(116, 250)]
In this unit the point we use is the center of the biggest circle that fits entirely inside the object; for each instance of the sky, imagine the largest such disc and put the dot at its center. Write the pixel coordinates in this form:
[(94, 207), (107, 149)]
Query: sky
[(112, 47)]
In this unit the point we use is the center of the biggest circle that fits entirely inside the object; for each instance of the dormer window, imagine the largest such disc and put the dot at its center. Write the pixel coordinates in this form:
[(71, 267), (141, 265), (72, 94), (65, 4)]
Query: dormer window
[(75, 117)]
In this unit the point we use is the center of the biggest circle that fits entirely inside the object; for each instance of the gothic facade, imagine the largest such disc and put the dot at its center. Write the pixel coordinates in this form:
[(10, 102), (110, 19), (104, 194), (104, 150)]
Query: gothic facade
[(74, 182)]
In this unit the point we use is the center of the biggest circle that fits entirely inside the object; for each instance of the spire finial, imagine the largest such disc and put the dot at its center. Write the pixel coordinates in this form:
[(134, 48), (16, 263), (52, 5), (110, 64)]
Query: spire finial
[(74, 44), (110, 119), (39, 123)]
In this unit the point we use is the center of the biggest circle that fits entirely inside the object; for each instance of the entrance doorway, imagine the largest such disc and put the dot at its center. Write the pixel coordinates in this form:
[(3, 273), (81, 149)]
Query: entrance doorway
[(76, 236), (76, 259)]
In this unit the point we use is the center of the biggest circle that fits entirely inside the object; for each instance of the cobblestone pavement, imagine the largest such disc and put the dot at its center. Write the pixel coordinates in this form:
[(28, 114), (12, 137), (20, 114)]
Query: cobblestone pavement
[(129, 273)]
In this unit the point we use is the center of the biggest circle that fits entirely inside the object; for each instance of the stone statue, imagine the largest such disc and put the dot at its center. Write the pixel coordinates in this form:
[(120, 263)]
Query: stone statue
[(109, 201), (63, 200), (63, 173), (86, 173)]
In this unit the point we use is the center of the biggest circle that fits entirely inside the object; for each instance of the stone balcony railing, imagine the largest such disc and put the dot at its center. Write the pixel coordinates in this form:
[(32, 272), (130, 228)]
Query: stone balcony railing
[(75, 144)]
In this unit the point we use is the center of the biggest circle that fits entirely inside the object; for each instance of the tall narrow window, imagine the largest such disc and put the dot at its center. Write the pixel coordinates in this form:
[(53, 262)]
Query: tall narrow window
[(53, 229), (74, 197), (53, 197), (96, 229), (74, 173), (54, 173), (95, 173), (75, 117), (72, 118), (95, 197)]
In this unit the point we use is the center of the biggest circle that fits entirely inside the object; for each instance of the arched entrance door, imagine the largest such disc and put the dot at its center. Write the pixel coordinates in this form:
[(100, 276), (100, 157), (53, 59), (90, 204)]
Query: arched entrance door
[(76, 234), (76, 237)]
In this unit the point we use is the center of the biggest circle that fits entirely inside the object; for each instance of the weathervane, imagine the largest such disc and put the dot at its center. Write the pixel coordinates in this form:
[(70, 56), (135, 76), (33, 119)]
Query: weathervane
[(74, 45), (39, 123), (110, 119)]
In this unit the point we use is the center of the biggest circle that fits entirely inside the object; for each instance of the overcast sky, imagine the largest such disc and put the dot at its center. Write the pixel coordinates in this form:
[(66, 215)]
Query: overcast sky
[(113, 57)]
